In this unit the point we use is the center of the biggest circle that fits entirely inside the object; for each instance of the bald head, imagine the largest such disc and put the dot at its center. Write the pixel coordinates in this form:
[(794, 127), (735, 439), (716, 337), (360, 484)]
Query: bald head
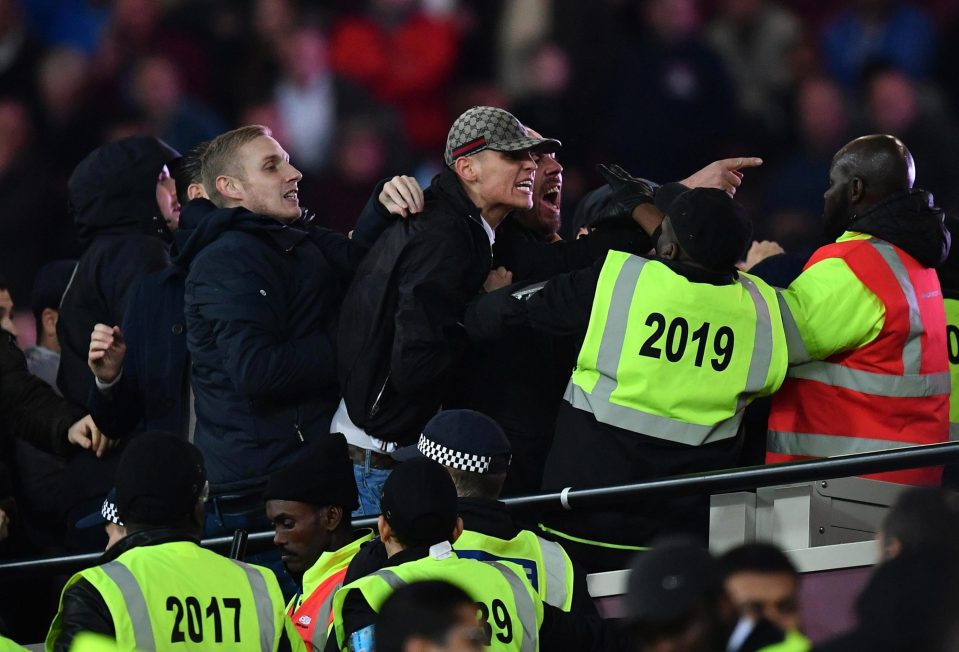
[(882, 161), (865, 172)]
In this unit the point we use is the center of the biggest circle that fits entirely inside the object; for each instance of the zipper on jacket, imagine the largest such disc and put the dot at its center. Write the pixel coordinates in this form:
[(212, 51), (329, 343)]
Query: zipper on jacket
[(376, 404), (296, 425)]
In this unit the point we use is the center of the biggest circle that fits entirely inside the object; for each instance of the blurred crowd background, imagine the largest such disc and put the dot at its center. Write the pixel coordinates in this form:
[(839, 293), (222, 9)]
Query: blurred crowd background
[(360, 90)]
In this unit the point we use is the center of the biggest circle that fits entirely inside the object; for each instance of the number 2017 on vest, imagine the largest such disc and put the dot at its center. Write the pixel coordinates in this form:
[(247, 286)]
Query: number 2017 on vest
[(189, 610)]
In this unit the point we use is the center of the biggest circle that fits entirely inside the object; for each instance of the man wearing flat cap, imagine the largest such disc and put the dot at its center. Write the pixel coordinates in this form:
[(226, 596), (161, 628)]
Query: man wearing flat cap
[(400, 339), (476, 453), (157, 589), (309, 504), (675, 348)]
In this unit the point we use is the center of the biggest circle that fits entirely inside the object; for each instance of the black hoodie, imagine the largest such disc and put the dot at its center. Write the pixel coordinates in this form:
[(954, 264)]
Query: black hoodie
[(113, 197), (910, 221)]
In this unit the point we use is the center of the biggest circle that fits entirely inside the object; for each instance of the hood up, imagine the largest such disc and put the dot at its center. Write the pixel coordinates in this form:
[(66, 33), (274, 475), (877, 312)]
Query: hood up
[(910, 221), (113, 189)]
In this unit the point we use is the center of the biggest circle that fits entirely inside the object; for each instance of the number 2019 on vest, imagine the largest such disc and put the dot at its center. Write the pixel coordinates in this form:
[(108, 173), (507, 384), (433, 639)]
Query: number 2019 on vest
[(678, 337)]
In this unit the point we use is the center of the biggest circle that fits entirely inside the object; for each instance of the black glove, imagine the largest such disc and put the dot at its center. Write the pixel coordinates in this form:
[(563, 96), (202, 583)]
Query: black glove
[(628, 193)]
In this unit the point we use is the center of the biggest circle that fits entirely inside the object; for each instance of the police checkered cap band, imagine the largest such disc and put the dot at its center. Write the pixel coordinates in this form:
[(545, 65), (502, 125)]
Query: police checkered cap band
[(454, 459), (487, 127), (110, 513)]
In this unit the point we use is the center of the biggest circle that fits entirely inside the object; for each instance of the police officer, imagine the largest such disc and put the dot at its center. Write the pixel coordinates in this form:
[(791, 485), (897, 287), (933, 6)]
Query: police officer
[(157, 589), (309, 504), (418, 525), (675, 348), (476, 453), (865, 320)]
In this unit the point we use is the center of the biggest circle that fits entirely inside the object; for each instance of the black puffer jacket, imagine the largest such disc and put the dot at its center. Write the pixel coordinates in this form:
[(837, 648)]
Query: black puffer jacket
[(29, 408), (261, 303), (113, 197), (400, 333)]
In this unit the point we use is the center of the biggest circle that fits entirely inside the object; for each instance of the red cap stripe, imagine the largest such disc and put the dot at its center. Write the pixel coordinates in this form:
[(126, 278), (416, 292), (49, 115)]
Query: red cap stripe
[(462, 150)]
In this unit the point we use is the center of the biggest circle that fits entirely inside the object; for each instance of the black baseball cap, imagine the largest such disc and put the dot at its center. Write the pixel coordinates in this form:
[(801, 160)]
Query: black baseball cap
[(466, 440), (668, 581), (710, 226), (159, 479), (419, 502)]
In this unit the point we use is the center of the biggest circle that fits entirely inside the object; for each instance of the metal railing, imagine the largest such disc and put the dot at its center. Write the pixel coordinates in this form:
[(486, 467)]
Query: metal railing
[(569, 498)]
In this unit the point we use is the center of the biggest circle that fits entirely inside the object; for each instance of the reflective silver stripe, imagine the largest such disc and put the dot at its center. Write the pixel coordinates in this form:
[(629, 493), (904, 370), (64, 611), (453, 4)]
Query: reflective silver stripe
[(808, 445), (651, 425), (798, 353), (134, 602), (762, 353), (318, 640), (954, 432), (867, 382), (391, 578), (554, 563), (610, 353), (524, 606), (614, 331), (912, 351), (264, 605)]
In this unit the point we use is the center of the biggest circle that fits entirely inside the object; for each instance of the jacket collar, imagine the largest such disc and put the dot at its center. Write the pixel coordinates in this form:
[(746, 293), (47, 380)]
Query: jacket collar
[(911, 221), (332, 559), (446, 186), (489, 517), (151, 537)]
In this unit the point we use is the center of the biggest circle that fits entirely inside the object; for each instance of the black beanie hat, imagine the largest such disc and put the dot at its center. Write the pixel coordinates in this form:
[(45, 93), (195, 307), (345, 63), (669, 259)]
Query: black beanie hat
[(321, 475), (419, 502), (159, 479), (709, 225)]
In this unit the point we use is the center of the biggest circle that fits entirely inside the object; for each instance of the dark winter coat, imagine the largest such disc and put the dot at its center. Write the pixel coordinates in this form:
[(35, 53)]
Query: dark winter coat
[(113, 198), (29, 408), (400, 334), (153, 390), (262, 300)]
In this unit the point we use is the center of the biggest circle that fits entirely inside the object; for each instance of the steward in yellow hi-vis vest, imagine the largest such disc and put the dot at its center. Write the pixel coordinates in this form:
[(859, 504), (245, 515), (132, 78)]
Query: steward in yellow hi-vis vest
[(865, 320), (417, 527), (675, 349), (948, 273), (157, 589), (309, 504)]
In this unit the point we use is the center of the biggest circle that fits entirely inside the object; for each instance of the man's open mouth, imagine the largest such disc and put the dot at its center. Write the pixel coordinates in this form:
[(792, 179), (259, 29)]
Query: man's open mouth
[(551, 195)]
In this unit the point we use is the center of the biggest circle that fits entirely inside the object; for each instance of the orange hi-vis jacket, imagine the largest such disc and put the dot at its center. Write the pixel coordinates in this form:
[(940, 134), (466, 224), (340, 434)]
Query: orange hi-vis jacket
[(891, 389)]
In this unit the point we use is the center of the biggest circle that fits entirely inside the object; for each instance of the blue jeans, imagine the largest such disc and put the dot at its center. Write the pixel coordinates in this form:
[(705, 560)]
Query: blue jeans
[(219, 523), (369, 483)]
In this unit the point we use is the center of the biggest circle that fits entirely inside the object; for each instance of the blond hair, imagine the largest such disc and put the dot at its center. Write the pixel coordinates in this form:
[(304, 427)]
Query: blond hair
[(220, 157)]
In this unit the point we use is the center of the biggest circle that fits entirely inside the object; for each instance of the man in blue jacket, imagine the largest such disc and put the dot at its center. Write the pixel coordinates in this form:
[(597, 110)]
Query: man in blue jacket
[(262, 298)]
